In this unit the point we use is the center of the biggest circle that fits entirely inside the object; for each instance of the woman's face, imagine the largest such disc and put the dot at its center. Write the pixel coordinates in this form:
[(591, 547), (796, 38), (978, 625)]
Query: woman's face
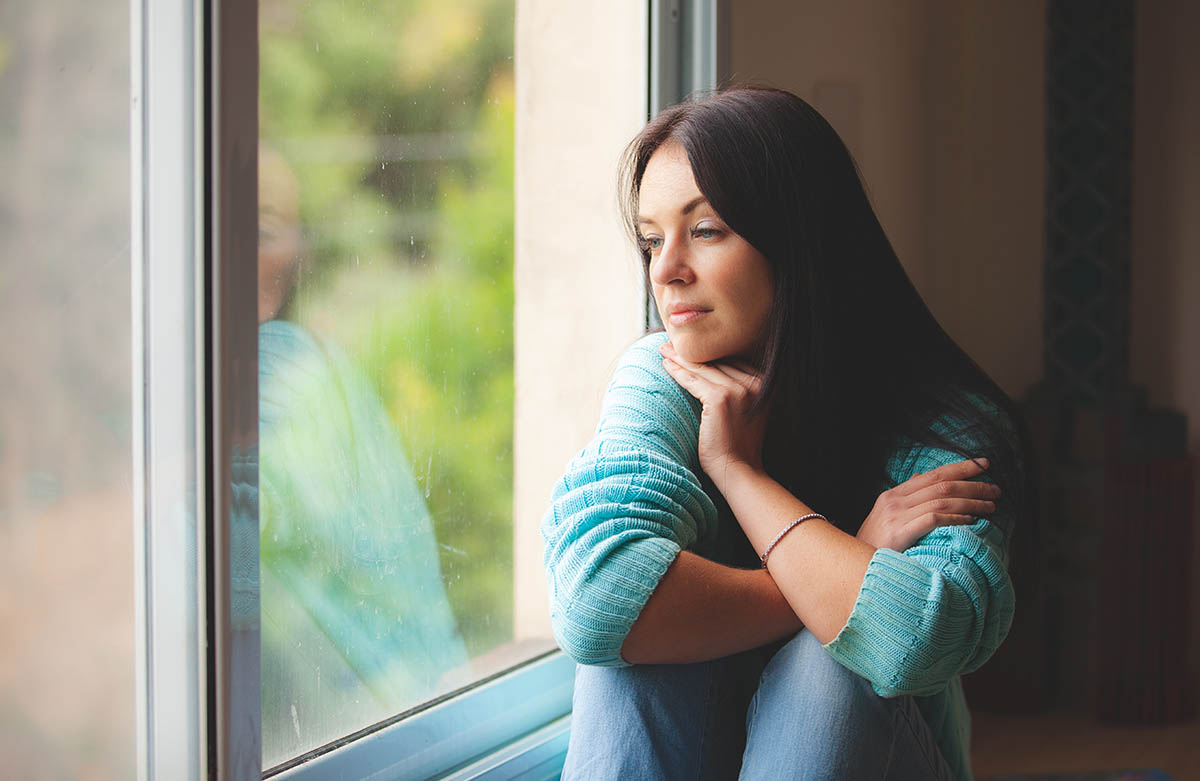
[(712, 288)]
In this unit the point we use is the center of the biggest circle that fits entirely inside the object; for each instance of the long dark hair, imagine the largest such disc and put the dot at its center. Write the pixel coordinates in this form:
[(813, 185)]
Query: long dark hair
[(853, 361)]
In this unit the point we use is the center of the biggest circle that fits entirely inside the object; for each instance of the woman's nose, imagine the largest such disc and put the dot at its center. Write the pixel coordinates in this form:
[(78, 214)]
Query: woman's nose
[(673, 263)]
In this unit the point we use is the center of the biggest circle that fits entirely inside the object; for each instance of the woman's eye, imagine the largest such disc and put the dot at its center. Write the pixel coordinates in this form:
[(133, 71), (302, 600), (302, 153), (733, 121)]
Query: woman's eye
[(704, 233), (651, 242)]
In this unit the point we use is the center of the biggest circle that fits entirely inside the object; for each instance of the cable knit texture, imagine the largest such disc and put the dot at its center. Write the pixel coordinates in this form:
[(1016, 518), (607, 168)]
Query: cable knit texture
[(628, 503), (631, 500)]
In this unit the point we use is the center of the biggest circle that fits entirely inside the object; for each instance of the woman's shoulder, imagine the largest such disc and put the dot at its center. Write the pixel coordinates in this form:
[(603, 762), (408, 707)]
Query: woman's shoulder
[(969, 420), (639, 370), (643, 354), (977, 402)]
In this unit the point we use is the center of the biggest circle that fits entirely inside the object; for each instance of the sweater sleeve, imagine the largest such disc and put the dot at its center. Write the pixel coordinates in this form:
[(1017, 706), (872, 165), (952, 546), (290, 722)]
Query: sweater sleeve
[(939, 609), (627, 504)]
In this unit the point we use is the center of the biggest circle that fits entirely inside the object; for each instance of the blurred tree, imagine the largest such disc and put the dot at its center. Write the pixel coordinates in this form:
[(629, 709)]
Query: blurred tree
[(374, 102), (398, 120)]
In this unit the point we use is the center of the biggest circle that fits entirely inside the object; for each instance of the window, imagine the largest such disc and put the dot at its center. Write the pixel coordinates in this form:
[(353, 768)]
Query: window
[(66, 552), (385, 284), (336, 410)]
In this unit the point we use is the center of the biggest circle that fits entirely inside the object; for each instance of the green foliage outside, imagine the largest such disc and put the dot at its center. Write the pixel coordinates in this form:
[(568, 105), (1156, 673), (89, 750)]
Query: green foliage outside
[(397, 119)]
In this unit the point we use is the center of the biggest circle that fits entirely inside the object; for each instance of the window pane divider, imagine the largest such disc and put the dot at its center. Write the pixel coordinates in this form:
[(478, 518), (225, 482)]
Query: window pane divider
[(689, 51), (231, 360)]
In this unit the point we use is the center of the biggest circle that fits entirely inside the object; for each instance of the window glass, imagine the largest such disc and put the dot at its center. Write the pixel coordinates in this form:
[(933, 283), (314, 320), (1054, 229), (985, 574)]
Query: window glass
[(66, 537), (385, 359)]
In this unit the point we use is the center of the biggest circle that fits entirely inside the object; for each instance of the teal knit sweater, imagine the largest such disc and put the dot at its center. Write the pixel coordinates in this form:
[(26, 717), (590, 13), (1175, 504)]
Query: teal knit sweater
[(631, 500)]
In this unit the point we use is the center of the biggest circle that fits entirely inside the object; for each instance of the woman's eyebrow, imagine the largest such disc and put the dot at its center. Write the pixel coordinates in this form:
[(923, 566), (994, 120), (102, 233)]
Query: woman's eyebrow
[(692, 204)]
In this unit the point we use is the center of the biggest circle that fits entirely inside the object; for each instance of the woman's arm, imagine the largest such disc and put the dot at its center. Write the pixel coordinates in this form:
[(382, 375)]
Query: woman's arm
[(626, 532), (628, 506), (625, 586), (945, 604), (818, 568), (907, 621), (702, 610)]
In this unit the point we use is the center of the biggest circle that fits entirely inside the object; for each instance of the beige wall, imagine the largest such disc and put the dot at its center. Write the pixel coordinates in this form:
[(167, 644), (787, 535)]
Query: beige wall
[(1166, 226), (941, 104), (581, 96)]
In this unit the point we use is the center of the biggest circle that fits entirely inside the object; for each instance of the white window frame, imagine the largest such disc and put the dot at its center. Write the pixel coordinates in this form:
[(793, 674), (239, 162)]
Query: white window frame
[(194, 235), (170, 469)]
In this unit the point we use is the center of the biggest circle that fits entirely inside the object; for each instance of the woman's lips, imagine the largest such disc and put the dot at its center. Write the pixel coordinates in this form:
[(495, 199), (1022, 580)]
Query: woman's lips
[(685, 316)]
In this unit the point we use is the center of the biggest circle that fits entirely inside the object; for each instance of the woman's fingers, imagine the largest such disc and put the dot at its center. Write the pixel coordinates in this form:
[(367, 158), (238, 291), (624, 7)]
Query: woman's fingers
[(959, 470), (718, 374), (743, 376), (739, 369), (735, 379), (973, 507), (692, 376), (933, 520), (953, 489), (684, 376)]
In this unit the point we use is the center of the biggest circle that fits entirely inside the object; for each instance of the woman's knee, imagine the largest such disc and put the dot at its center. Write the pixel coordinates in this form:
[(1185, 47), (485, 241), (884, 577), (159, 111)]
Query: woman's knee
[(811, 712), (803, 668), (642, 692), (659, 721), (638, 721)]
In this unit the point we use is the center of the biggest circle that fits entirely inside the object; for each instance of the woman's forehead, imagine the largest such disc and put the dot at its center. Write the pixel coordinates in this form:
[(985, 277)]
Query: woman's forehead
[(668, 187)]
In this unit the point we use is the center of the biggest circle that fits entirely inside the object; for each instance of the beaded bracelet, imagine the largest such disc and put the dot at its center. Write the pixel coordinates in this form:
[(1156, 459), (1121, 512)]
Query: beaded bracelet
[(786, 529)]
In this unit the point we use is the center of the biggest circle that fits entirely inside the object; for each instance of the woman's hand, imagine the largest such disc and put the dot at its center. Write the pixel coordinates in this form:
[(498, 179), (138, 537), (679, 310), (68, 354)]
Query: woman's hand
[(940, 497), (730, 435)]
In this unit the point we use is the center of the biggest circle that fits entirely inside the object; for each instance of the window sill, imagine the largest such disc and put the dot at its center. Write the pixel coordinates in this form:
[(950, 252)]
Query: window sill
[(513, 726)]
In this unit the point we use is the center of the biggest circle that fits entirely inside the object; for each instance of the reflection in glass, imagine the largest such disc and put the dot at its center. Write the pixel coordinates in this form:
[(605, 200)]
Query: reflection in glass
[(385, 280), (355, 618)]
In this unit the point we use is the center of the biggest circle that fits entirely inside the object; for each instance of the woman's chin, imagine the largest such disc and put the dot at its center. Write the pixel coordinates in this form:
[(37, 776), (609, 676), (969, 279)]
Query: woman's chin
[(692, 351)]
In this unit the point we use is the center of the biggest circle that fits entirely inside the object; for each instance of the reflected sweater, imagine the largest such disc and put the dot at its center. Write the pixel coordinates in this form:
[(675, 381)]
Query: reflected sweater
[(631, 500), (356, 623)]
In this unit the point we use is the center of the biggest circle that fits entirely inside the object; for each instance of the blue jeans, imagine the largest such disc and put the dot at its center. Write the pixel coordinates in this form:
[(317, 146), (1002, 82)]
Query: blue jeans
[(808, 717)]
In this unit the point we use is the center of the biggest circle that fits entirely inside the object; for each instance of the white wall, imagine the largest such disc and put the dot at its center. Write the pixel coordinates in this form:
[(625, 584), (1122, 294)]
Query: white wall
[(581, 96)]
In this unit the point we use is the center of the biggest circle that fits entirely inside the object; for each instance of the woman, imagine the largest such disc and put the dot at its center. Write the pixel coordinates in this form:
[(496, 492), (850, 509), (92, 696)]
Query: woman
[(799, 376)]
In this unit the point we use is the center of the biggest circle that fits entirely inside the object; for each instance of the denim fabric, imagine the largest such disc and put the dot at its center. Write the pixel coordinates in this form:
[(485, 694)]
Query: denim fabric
[(807, 718)]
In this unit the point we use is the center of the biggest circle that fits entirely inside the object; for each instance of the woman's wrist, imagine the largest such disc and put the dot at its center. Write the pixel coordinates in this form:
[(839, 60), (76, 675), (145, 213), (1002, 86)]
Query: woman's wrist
[(761, 505), (735, 474)]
